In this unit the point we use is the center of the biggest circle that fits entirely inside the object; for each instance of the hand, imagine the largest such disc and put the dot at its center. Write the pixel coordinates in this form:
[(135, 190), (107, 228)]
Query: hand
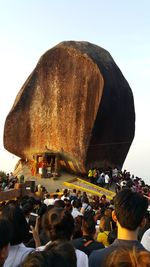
[(35, 232)]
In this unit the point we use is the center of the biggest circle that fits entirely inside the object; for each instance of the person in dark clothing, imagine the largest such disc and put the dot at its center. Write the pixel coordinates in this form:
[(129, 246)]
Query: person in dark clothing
[(5, 237), (129, 215), (142, 230), (86, 243)]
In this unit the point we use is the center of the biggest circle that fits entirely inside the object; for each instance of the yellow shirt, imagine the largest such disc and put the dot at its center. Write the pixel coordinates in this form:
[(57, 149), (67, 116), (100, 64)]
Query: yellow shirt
[(102, 237)]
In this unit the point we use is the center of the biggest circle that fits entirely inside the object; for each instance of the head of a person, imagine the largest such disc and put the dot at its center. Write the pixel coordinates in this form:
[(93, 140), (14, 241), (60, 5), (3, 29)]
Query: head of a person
[(65, 192), (85, 200), (27, 208), (88, 225), (5, 237), (76, 203), (47, 195), (58, 224), (66, 250), (103, 198), (59, 203), (130, 209), (57, 254), (108, 212), (77, 227), (55, 196), (68, 206), (18, 223), (128, 257), (105, 224)]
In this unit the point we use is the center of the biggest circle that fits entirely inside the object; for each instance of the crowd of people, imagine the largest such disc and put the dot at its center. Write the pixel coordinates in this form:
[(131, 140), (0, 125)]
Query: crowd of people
[(8, 182), (117, 180), (74, 229)]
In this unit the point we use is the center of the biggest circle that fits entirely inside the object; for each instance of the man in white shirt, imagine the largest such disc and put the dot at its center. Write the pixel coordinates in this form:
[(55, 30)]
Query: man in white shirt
[(48, 201), (76, 208), (107, 180)]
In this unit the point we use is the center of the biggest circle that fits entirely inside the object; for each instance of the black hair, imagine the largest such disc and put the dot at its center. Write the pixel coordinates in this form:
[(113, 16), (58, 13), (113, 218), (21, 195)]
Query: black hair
[(5, 233), (112, 236), (59, 203), (89, 224), (130, 208), (77, 227), (19, 226), (59, 224), (42, 209), (66, 250), (76, 203), (56, 255), (27, 208)]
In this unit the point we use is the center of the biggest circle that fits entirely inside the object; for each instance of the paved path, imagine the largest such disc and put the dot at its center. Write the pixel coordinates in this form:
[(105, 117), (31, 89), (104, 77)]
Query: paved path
[(51, 184)]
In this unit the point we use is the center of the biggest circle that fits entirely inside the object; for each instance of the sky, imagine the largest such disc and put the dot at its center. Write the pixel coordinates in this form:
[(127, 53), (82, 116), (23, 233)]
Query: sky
[(29, 28)]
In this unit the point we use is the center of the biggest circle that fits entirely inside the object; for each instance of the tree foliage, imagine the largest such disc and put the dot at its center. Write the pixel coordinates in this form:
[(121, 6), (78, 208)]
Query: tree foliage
[(3, 175)]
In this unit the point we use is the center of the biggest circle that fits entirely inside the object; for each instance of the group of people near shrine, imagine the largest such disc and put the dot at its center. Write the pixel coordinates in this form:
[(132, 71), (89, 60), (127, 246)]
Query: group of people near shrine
[(8, 182), (116, 180)]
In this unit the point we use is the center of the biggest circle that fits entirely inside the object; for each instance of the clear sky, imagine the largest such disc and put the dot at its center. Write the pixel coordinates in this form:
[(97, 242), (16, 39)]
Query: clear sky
[(28, 28)]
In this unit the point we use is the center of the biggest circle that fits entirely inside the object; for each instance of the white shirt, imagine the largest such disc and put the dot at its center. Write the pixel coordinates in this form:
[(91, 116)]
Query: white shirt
[(17, 254), (145, 241), (82, 258), (106, 178), (76, 213), (114, 172), (123, 183), (63, 197), (48, 201)]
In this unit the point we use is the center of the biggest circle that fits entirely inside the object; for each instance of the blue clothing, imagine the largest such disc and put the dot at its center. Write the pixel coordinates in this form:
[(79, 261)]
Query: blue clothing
[(87, 244), (97, 257)]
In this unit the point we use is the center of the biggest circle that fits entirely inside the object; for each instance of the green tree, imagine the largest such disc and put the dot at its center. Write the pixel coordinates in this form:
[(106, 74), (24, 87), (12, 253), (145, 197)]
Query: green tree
[(3, 175)]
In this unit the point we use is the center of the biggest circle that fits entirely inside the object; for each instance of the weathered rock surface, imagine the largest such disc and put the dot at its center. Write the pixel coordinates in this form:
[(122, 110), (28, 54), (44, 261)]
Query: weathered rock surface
[(75, 102)]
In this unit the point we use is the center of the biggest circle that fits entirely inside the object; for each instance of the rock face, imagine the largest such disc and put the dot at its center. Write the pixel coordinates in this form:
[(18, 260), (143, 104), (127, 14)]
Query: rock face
[(75, 102)]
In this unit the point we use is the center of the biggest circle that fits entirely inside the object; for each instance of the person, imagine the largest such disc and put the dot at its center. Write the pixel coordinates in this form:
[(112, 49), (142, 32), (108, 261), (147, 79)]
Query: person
[(5, 237), (90, 175), (20, 233), (65, 194), (129, 215), (107, 180), (86, 243), (73, 194), (47, 199), (85, 205), (145, 241), (105, 227), (59, 203), (104, 202), (57, 254), (76, 203), (146, 227), (101, 180), (59, 225), (128, 257)]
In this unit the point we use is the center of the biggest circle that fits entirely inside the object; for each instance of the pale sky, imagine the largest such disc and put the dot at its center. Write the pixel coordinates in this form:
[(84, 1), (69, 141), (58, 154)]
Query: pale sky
[(28, 28)]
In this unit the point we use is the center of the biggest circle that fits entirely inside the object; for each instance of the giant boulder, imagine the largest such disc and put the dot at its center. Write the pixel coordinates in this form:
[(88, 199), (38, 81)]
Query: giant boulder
[(75, 102)]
